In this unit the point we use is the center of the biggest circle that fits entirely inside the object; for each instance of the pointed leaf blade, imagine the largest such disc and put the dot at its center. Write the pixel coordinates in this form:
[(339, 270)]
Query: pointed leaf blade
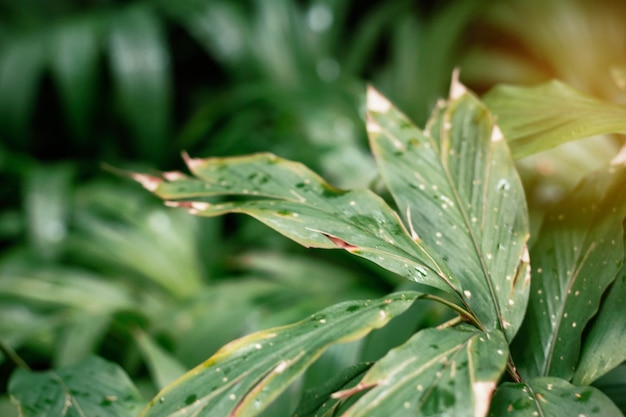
[(548, 396), (449, 371), (603, 347), (244, 376), (459, 191), (574, 261), (535, 119), (93, 387), (294, 201)]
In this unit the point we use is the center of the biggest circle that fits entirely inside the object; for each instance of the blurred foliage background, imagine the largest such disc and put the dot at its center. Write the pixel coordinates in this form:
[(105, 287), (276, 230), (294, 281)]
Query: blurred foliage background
[(90, 263)]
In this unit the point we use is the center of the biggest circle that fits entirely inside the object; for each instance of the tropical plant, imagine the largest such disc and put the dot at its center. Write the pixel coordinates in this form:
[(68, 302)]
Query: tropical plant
[(534, 325)]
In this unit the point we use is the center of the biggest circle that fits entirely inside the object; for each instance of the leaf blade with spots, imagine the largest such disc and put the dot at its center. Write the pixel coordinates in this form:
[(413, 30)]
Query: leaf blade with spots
[(549, 396), (296, 202), (457, 187), (243, 377), (574, 261), (448, 371)]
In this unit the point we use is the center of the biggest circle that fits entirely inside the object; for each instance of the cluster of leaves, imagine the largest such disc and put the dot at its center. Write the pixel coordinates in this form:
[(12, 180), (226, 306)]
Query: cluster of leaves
[(459, 228)]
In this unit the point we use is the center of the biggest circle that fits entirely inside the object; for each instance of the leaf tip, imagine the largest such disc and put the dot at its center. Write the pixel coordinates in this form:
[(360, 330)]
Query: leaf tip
[(457, 89), (192, 163), (376, 102), (149, 182), (496, 134), (620, 158)]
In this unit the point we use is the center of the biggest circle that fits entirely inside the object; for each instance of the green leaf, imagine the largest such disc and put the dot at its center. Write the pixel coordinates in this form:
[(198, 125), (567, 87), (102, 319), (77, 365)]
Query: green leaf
[(439, 371), (457, 187), (164, 368), (603, 347), (73, 57), (94, 387), (81, 334), (576, 257), (243, 377), (534, 119), (140, 66), (547, 396), (22, 60), (296, 202)]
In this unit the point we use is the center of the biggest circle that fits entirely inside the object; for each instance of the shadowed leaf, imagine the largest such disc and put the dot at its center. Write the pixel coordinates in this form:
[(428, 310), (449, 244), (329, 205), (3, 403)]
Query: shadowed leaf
[(576, 257)]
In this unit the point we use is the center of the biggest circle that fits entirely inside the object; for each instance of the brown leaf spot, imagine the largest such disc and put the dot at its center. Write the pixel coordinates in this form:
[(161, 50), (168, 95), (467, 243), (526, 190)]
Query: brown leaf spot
[(340, 242)]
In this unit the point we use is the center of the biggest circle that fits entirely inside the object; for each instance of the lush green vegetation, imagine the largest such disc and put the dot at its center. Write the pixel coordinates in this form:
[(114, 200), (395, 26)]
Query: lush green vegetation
[(508, 226)]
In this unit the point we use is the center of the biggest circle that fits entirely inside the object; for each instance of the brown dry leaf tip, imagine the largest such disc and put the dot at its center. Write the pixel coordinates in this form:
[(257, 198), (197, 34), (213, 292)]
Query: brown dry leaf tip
[(340, 242), (192, 163), (456, 88), (174, 175), (148, 182)]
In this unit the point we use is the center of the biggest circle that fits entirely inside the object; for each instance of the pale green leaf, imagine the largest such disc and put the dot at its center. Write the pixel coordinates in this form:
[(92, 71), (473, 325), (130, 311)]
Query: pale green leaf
[(448, 371), (296, 202), (575, 258), (457, 187), (80, 335), (534, 119), (163, 366), (243, 377), (603, 347), (547, 396), (94, 387)]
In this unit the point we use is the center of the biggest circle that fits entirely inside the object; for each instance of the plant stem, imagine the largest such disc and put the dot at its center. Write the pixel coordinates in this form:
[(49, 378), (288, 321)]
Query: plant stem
[(463, 313), (13, 356)]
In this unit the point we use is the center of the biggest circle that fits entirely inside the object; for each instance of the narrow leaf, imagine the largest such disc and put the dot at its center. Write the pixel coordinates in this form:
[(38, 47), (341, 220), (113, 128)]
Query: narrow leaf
[(449, 371), (296, 202), (534, 119), (163, 366), (548, 396), (94, 387), (243, 377), (140, 67), (577, 255), (22, 60), (457, 187), (74, 50)]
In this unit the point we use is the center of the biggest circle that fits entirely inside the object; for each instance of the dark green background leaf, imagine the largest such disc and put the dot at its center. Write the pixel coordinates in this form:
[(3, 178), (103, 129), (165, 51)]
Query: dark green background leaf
[(92, 388)]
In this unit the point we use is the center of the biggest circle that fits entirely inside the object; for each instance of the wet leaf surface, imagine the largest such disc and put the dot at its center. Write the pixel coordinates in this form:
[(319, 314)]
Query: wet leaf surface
[(243, 377), (547, 396), (457, 188), (449, 371), (576, 257)]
